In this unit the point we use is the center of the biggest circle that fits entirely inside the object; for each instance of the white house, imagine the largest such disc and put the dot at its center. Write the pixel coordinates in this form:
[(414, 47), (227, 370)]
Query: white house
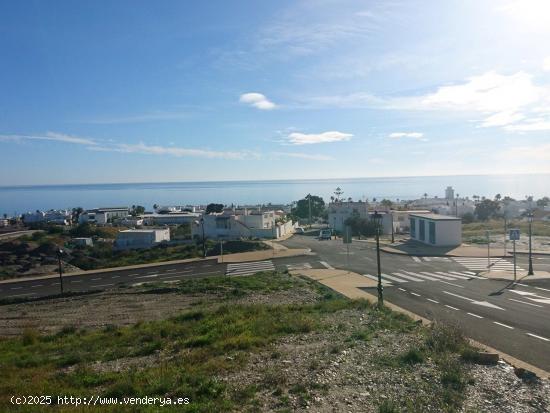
[(436, 230), (339, 212), (170, 218), (141, 238), (53, 216), (102, 216)]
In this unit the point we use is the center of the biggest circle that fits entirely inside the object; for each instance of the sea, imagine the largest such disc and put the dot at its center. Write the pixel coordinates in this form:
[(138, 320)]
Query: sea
[(21, 199)]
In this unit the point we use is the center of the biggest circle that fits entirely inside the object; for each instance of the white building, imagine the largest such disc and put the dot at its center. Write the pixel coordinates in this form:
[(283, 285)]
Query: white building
[(436, 230), (449, 193), (141, 238), (171, 218), (53, 216), (83, 241), (401, 218), (241, 224), (339, 212), (102, 216)]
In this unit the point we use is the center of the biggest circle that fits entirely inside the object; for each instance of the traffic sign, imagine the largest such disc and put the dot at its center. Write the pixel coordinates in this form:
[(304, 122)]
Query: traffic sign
[(514, 234)]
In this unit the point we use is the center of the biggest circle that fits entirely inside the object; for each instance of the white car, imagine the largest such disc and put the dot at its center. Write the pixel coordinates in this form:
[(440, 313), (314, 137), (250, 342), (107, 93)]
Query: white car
[(325, 234), (299, 230)]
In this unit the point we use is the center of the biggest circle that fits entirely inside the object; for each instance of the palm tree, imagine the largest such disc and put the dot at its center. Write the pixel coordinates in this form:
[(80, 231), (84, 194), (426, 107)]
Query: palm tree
[(425, 195), (498, 197)]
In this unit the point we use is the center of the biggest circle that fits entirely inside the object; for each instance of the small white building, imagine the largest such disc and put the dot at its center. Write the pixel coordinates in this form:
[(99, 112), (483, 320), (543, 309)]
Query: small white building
[(83, 241), (141, 238), (436, 230), (53, 216), (102, 216), (339, 212), (170, 218)]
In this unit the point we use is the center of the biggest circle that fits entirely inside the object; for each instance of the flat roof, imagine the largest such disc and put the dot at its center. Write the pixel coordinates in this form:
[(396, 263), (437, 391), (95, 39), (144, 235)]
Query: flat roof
[(436, 217)]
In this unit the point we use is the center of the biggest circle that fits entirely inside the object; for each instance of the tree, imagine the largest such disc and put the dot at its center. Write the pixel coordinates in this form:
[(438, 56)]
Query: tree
[(498, 197), (468, 218), (137, 210), (386, 202), (487, 209), (543, 202), (301, 210), (361, 226), (75, 214), (337, 194), (211, 208)]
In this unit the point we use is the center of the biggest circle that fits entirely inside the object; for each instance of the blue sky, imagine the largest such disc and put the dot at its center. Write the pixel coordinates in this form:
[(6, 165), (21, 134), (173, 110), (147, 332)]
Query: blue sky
[(131, 91)]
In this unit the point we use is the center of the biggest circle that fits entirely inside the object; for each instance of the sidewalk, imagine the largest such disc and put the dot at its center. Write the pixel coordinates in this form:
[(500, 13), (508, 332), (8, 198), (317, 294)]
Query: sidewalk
[(520, 275), (421, 250)]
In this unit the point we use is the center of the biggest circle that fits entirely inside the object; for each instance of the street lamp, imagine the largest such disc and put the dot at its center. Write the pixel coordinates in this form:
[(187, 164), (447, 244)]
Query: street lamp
[(530, 220), (392, 230), (59, 254), (203, 239), (377, 218)]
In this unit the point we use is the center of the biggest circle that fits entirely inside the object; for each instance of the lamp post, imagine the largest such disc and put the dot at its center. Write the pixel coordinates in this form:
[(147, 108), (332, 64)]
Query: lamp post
[(377, 217), (530, 219), (203, 238), (59, 254), (392, 230)]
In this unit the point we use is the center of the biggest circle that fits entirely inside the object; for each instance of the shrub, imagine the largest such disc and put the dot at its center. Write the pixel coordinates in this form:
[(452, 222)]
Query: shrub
[(413, 356)]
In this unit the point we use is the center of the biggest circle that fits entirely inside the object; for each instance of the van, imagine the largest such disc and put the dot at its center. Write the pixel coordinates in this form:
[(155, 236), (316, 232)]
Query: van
[(325, 234)]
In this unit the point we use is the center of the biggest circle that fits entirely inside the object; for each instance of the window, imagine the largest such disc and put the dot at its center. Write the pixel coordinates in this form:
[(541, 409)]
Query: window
[(431, 232), (413, 228), (422, 230)]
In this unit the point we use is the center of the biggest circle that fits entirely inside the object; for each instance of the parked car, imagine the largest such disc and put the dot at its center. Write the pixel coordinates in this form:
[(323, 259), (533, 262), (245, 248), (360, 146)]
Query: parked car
[(325, 234), (299, 230)]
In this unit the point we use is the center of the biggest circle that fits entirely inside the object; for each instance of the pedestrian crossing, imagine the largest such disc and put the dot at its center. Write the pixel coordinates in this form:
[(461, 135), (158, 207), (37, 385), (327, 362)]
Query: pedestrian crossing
[(430, 259), (300, 266), (409, 276), (249, 268), (480, 264)]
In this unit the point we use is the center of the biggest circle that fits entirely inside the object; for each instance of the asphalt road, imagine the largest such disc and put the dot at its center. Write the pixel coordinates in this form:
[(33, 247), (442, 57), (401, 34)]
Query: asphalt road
[(514, 318)]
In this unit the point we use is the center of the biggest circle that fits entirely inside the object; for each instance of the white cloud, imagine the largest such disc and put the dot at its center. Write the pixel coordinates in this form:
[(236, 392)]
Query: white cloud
[(257, 100), (546, 64), (308, 156), (297, 138), (175, 151), (50, 136), (502, 119), (412, 135)]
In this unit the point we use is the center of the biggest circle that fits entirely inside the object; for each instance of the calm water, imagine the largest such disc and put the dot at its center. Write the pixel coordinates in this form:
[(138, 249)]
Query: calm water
[(29, 198)]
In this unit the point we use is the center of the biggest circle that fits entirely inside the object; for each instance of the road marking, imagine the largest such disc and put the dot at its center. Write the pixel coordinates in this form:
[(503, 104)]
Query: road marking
[(421, 276), (115, 276), (326, 265), (524, 302), (543, 289), (175, 269), (459, 296), (18, 295), (131, 275), (503, 325), (15, 288), (474, 315), (416, 259), (171, 276), (439, 276), (102, 285), (539, 337), (407, 277), (76, 281), (454, 285), (402, 289), (451, 307), (428, 259), (95, 279), (372, 277), (482, 303), (468, 275), (418, 295), (54, 284), (455, 276), (433, 301), (392, 278), (152, 272), (37, 285), (148, 276)]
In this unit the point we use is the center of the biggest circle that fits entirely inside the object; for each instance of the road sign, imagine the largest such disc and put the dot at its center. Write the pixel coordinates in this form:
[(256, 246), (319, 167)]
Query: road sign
[(514, 234), (347, 235)]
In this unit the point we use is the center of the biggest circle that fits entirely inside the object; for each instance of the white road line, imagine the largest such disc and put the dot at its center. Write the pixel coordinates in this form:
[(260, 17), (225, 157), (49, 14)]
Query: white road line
[(15, 288), (444, 277), (427, 259), (455, 276), (433, 301), (102, 285), (416, 259), (451, 307), (148, 276), (19, 295), (468, 275), (458, 296), (372, 277), (249, 264), (543, 289), (539, 337), (503, 325), (175, 269), (150, 272), (134, 274), (76, 281), (37, 285), (115, 276), (454, 285), (524, 302), (95, 279), (402, 289), (326, 265), (422, 276), (418, 295), (474, 315), (407, 277), (392, 278)]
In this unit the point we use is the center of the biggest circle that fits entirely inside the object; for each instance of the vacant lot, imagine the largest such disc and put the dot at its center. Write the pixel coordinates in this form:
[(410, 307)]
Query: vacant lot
[(269, 342)]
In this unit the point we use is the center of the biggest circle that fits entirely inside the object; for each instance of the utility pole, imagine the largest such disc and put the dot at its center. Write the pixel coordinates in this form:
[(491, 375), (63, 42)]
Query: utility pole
[(505, 229), (392, 230), (377, 218), (221, 248), (530, 219), (59, 253), (488, 250), (309, 198), (203, 239), (514, 244)]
